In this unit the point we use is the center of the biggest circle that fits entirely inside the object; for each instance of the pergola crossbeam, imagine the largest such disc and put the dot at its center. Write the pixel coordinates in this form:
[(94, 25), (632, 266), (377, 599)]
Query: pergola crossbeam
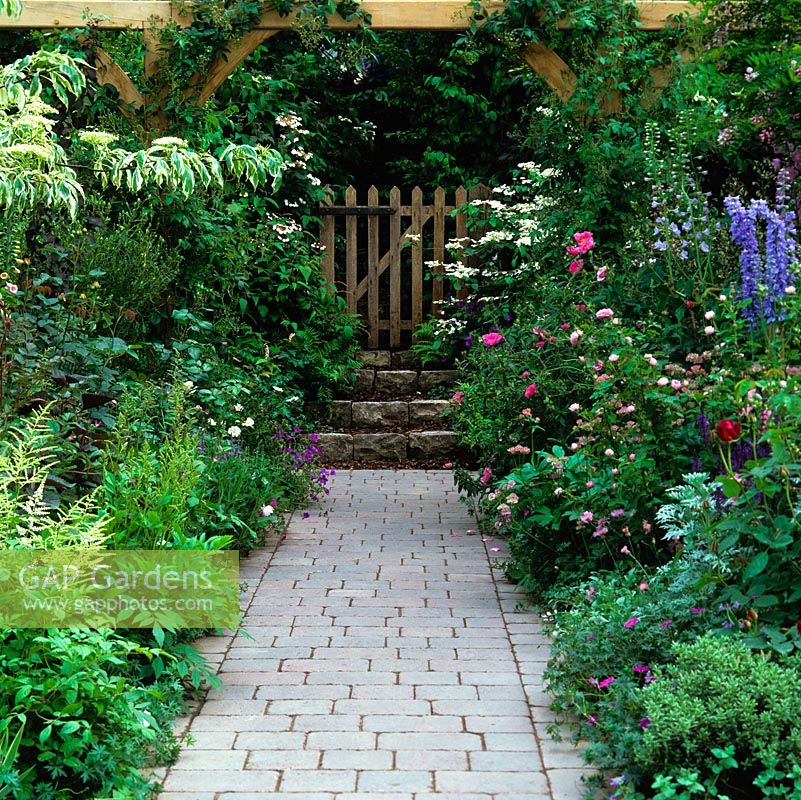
[(386, 14)]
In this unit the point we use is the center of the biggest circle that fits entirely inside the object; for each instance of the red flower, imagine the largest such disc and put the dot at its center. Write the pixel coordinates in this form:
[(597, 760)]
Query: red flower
[(728, 430)]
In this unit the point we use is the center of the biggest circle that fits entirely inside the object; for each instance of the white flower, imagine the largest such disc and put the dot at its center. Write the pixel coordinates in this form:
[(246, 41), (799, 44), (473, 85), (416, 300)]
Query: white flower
[(212, 422), (239, 407), (234, 431), (169, 141), (189, 385), (248, 423), (709, 330), (267, 511), (277, 389), (709, 315), (789, 289)]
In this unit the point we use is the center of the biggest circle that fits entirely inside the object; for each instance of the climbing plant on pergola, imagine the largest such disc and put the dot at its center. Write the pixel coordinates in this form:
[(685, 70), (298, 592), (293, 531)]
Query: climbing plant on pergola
[(153, 16)]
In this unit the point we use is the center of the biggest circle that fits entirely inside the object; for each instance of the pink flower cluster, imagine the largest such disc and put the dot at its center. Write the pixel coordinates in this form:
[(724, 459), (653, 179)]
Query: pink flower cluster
[(491, 339), (584, 243)]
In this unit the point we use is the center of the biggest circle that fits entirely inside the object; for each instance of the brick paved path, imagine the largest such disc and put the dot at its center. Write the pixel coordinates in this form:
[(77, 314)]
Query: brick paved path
[(387, 662)]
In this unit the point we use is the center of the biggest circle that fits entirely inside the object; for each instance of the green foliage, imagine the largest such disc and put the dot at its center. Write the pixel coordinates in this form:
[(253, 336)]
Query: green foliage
[(718, 694), (33, 164), (89, 729), (9, 748), (169, 165), (31, 513), (132, 266)]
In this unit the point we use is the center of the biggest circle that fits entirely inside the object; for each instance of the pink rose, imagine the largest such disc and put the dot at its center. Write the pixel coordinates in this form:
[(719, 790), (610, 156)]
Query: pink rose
[(457, 397), (604, 313), (584, 243), (576, 266), (491, 339), (486, 475), (531, 390), (601, 274)]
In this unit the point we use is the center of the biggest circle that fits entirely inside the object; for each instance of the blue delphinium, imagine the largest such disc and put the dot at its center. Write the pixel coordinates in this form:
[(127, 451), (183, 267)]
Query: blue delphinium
[(765, 271)]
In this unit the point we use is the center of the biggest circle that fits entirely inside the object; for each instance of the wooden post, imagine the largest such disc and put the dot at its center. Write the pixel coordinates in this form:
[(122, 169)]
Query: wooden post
[(417, 256), (395, 269), (327, 240), (351, 245), (461, 228), (372, 269), (438, 289)]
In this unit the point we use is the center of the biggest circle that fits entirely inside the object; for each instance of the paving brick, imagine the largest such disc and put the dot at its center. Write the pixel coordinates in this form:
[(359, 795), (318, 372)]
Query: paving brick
[(335, 780), (493, 782), (283, 759), (357, 759), (221, 780), (211, 759), (395, 780), (428, 741), (350, 740), (506, 761)]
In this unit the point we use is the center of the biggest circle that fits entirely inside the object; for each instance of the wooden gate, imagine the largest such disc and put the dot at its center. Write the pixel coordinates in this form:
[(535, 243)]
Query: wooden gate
[(375, 256)]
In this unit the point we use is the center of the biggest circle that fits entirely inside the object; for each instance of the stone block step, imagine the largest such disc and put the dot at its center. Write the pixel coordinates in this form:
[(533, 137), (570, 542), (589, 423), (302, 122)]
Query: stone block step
[(399, 447), (370, 415), (399, 383), (390, 359)]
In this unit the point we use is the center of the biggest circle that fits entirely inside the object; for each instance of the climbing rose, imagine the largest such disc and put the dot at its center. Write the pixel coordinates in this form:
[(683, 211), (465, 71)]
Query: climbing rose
[(584, 243), (576, 266), (728, 430), (531, 390), (491, 339), (604, 313), (601, 274), (486, 475)]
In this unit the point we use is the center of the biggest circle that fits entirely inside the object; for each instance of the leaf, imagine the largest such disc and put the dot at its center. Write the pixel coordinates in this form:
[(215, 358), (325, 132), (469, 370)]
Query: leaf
[(45, 734), (757, 565), (731, 488), (70, 727)]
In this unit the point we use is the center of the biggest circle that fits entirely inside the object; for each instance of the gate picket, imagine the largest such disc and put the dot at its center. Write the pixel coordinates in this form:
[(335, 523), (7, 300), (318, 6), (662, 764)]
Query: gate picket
[(372, 249)]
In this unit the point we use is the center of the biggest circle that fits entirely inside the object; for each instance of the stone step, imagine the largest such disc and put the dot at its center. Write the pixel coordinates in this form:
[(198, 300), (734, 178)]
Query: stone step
[(346, 415), (400, 447), (400, 382), (389, 359)]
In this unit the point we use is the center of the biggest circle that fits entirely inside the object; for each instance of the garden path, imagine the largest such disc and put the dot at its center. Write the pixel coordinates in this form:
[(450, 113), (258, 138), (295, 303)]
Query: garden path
[(388, 661)]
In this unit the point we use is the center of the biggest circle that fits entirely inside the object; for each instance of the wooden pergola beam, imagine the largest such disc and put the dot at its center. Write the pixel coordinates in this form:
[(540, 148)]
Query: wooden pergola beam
[(203, 86), (552, 69), (443, 15)]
